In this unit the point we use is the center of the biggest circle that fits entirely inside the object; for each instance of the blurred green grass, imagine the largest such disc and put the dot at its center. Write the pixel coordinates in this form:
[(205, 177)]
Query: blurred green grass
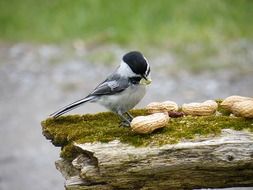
[(138, 22)]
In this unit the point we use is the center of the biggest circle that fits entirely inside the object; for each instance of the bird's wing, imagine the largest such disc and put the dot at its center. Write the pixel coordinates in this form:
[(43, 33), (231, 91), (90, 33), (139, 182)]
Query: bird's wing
[(111, 85)]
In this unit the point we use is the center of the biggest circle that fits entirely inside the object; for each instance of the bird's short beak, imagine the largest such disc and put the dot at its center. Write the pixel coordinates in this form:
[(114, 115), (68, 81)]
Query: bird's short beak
[(145, 80)]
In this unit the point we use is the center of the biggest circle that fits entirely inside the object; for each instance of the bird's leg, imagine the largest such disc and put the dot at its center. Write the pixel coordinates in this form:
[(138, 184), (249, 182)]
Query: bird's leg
[(124, 124), (129, 116), (124, 121)]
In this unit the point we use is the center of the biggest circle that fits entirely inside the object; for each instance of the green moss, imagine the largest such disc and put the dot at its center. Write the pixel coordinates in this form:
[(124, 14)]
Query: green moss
[(69, 152), (104, 127)]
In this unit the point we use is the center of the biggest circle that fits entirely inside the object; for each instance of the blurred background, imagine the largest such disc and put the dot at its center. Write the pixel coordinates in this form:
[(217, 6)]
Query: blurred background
[(55, 52)]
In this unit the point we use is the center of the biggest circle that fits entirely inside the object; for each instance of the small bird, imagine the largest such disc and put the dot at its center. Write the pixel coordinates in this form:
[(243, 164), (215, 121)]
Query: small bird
[(121, 90)]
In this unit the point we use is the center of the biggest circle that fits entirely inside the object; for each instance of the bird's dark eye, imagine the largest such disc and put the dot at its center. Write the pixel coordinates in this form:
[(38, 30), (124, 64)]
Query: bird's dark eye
[(135, 80)]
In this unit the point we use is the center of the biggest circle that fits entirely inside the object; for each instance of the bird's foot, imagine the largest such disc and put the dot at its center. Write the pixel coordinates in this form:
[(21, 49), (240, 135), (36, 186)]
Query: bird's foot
[(130, 117), (124, 124)]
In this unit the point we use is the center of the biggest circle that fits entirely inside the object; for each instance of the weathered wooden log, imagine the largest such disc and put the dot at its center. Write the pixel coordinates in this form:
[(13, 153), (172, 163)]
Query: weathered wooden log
[(222, 161)]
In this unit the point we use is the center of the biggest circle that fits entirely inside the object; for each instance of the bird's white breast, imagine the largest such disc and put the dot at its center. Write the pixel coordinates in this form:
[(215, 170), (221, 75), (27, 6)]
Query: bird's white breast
[(124, 101)]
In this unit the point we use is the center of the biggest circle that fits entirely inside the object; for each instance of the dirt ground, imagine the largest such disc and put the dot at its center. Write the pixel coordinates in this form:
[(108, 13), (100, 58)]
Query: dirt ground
[(35, 80)]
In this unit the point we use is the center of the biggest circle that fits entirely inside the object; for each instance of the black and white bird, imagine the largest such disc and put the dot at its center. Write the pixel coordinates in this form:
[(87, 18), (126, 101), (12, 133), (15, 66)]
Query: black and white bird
[(121, 90)]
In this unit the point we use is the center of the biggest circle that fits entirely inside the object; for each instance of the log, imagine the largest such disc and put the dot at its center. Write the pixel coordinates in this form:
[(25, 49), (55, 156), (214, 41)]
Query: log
[(215, 162)]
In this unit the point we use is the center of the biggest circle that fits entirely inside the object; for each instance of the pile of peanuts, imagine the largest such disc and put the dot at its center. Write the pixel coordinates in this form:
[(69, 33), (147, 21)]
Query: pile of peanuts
[(160, 112), (239, 105)]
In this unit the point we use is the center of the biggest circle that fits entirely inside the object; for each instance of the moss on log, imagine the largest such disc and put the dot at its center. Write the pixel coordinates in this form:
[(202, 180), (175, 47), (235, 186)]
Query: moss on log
[(104, 127)]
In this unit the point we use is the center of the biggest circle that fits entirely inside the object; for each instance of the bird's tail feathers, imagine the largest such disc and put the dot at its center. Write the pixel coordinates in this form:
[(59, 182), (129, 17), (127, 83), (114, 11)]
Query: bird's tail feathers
[(71, 106)]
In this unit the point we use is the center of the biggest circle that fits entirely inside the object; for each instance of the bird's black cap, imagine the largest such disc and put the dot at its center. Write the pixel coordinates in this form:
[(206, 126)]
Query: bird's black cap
[(136, 62)]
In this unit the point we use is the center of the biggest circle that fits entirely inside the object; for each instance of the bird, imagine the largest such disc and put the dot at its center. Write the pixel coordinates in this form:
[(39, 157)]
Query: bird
[(120, 91)]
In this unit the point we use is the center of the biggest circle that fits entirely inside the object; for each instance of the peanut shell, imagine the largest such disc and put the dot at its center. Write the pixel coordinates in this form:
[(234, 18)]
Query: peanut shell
[(231, 100), (158, 107), (147, 124), (208, 107), (243, 109)]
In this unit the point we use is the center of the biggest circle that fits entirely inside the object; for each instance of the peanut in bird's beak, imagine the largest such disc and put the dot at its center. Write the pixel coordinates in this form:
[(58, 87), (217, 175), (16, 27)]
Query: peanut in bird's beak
[(145, 80)]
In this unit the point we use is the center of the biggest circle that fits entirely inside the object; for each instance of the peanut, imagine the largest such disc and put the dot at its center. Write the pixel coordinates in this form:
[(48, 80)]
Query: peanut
[(158, 107), (208, 107), (231, 100), (147, 124), (243, 109)]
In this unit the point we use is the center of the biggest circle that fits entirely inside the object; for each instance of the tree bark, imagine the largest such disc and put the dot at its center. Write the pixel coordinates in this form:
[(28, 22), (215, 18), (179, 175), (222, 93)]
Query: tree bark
[(224, 161)]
